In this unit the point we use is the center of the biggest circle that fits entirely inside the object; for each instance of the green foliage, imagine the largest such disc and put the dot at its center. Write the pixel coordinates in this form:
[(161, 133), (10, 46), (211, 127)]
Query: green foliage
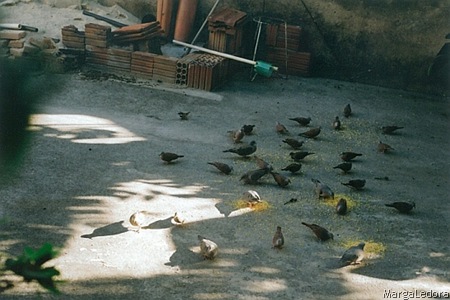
[(29, 266)]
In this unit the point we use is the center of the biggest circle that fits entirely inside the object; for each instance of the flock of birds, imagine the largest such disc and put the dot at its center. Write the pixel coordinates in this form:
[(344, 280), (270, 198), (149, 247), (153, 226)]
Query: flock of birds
[(352, 255)]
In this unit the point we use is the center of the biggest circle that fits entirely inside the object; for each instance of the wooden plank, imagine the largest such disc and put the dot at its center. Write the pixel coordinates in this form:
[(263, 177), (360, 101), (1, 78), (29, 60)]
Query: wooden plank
[(76, 45), (136, 28), (148, 64), (75, 39)]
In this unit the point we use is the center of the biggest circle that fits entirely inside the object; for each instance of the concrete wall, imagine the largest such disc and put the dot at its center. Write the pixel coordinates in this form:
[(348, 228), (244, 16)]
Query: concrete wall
[(386, 42)]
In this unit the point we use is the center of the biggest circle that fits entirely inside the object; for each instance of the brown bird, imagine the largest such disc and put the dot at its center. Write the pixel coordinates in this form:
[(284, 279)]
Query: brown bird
[(300, 155), (252, 197), (322, 190), (337, 123), (184, 115), (222, 167), (348, 156), (312, 133), (248, 129), (293, 143), (252, 177), (347, 110), (321, 233), (278, 239), (281, 180), (293, 168), (237, 135), (345, 166), (208, 248), (280, 128), (403, 207), (301, 120), (244, 150), (353, 255), (356, 184), (169, 157), (390, 129), (383, 148), (262, 164), (341, 207)]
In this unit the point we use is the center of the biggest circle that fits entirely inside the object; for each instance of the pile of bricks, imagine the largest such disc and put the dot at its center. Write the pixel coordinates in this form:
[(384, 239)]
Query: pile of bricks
[(73, 38), (142, 64), (226, 30), (287, 49), (13, 43), (207, 72), (183, 68)]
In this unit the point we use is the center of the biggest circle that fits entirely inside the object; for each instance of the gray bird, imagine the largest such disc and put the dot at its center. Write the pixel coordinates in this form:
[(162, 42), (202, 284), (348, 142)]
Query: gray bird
[(337, 123), (300, 155), (208, 248), (341, 207), (322, 190), (390, 129), (293, 168), (353, 255), (320, 232), (347, 110), (293, 143), (301, 120), (222, 167), (345, 167), (262, 164), (312, 133), (169, 157), (356, 184), (280, 128), (281, 180), (184, 115), (402, 207), (244, 150), (384, 148), (248, 129), (252, 197), (278, 239), (252, 177), (348, 156)]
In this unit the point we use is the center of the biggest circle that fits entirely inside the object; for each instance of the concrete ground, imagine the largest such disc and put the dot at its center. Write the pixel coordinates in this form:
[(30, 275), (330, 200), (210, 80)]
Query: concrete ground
[(94, 160)]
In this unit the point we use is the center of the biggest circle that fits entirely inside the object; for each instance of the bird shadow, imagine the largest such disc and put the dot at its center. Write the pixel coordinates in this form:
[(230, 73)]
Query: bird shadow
[(110, 229), (160, 224)]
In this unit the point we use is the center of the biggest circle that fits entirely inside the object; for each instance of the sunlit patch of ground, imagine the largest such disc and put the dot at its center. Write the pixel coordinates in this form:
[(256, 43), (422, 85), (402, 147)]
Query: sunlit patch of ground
[(260, 206)]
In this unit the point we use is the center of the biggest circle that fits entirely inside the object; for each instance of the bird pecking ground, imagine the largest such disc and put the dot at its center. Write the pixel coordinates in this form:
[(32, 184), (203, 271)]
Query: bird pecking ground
[(94, 160)]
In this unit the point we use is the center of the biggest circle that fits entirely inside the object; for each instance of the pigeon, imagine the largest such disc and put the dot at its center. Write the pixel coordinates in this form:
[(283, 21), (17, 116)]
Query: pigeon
[(222, 167), (323, 190), (293, 168), (321, 233), (293, 143), (252, 197), (300, 155), (348, 156), (278, 239), (403, 207), (390, 129), (345, 166), (341, 207), (347, 110), (292, 200), (247, 129), (184, 115), (280, 128), (139, 219), (384, 148), (281, 180), (237, 135), (301, 120), (312, 133), (208, 248), (356, 184), (262, 164), (337, 123), (177, 220), (252, 177), (244, 150), (353, 255), (168, 156)]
